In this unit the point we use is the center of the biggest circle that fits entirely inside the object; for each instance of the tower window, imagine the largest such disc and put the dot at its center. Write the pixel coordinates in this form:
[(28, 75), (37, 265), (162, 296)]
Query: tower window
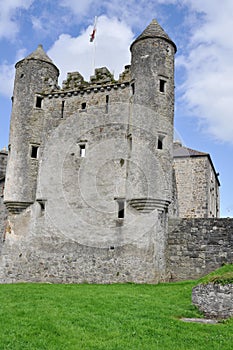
[(83, 105), (160, 142), (133, 88), (121, 208), (62, 108), (130, 142), (107, 103), (162, 84), (82, 148), (42, 205), (34, 151), (39, 100)]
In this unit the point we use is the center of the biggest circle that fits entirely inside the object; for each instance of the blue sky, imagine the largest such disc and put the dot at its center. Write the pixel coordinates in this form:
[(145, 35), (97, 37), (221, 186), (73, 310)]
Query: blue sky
[(202, 31)]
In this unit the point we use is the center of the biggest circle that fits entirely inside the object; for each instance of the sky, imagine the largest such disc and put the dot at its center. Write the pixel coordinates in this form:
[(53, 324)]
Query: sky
[(202, 31)]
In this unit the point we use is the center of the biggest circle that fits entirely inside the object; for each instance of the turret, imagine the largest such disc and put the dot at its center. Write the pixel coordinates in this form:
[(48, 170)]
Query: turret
[(35, 74), (152, 69)]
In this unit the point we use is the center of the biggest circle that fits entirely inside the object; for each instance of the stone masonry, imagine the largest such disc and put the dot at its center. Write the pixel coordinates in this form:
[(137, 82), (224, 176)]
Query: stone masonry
[(90, 181), (214, 300), (197, 183), (196, 247)]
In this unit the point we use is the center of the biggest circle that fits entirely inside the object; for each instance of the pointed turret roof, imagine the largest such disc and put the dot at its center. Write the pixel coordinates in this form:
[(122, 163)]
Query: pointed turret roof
[(154, 30), (38, 54)]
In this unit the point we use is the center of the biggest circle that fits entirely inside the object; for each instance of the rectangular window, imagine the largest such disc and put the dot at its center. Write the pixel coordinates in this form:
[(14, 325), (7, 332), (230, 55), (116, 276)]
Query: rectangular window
[(133, 88), (34, 151), (62, 108), (121, 208), (130, 142), (42, 205), (107, 103), (83, 105), (82, 148), (162, 84), (160, 142), (39, 100)]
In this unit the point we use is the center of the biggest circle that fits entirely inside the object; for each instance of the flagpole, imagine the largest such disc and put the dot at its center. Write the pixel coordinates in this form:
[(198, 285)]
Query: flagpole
[(94, 51)]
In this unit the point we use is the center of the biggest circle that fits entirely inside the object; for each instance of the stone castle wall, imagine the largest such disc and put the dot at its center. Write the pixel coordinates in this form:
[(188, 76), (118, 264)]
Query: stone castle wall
[(198, 246), (3, 213), (36, 251), (197, 188), (3, 163), (3, 210), (90, 176)]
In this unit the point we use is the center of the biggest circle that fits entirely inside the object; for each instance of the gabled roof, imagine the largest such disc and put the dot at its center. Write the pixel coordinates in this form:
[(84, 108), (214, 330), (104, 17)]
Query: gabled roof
[(154, 30), (179, 151), (187, 152)]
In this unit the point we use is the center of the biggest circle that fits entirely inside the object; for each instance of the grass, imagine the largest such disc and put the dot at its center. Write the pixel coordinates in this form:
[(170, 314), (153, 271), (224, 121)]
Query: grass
[(223, 275), (118, 316)]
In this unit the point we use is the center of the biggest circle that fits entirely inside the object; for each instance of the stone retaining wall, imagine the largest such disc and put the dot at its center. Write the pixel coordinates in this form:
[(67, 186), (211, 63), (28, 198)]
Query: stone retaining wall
[(214, 300), (198, 246)]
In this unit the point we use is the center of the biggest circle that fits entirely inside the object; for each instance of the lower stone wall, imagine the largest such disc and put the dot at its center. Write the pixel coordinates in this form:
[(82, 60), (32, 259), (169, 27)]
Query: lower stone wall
[(214, 300), (3, 214), (34, 250), (198, 246)]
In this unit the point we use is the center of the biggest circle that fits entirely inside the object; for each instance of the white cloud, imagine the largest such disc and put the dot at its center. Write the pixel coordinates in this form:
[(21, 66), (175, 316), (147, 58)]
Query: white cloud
[(7, 73), (110, 49), (8, 24), (133, 12), (207, 89)]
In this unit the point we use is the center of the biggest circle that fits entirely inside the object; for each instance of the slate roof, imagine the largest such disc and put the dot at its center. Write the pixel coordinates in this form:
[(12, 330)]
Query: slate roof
[(187, 152), (38, 54), (154, 30)]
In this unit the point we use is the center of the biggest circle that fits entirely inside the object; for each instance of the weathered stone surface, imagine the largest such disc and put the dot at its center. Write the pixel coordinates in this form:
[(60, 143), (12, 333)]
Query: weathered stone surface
[(196, 247), (214, 300), (77, 153), (3, 210), (197, 184)]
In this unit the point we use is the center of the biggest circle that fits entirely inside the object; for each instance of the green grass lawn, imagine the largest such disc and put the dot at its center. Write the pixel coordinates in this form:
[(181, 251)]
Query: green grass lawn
[(118, 316)]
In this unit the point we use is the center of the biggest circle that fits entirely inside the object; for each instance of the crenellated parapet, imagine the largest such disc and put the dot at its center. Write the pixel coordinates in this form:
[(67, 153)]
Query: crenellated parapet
[(101, 81)]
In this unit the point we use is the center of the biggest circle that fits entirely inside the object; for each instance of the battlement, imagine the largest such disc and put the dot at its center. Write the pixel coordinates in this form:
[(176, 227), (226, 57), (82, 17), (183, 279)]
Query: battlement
[(101, 81)]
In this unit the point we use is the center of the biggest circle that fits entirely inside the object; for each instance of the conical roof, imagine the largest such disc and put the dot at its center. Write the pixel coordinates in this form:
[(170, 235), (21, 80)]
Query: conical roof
[(154, 30), (39, 54)]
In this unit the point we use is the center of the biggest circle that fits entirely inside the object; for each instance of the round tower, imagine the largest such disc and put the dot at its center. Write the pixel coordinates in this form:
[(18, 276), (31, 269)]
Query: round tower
[(35, 74), (152, 68)]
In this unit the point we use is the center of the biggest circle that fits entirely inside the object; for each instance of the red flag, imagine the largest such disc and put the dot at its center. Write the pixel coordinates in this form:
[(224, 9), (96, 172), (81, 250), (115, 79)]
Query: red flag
[(92, 36)]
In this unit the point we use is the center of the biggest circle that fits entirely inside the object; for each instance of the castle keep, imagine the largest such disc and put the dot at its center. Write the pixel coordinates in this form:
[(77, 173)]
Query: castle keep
[(95, 190)]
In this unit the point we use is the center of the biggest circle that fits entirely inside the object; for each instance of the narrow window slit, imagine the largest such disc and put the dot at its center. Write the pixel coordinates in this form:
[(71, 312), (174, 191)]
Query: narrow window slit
[(121, 208), (160, 142), (107, 103), (82, 148), (83, 105), (62, 109), (34, 151), (133, 88), (42, 205), (39, 100), (162, 84)]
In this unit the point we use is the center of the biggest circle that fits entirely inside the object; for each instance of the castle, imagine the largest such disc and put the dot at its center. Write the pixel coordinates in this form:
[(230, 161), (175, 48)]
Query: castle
[(95, 189)]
